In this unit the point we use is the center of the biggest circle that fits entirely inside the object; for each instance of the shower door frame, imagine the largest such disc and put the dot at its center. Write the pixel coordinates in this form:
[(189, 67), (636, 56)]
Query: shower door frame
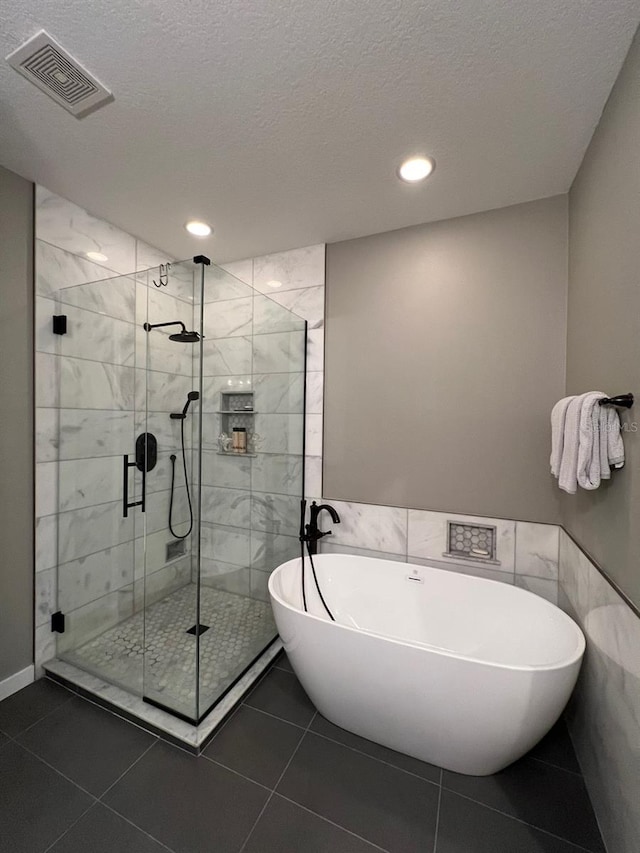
[(195, 536)]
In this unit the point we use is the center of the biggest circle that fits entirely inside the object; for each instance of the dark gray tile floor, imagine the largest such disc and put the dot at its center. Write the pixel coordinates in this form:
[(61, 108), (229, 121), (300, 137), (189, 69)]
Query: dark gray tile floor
[(277, 778)]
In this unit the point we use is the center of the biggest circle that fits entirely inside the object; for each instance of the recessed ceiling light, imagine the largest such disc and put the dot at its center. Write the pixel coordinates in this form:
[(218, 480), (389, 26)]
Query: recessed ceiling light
[(96, 256), (416, 169), (197, 228), (274, 283)]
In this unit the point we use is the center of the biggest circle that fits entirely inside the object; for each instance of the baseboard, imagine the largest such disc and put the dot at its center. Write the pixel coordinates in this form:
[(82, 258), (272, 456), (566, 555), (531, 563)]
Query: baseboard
[(16, 682)]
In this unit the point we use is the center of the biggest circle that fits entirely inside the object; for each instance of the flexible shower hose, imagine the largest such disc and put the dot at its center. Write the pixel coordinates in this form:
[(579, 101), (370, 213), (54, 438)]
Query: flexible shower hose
[(186, 482)]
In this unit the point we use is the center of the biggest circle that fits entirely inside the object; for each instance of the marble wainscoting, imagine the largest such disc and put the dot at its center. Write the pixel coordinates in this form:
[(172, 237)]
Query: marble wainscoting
[(604, 713), (527, 553)]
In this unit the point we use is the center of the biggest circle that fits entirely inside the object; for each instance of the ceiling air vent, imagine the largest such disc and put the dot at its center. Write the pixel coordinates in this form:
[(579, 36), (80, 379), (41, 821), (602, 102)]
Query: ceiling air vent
[(46, 64)]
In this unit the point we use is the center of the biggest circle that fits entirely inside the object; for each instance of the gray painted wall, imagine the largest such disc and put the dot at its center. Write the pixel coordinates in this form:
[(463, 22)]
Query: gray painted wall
[(603, 342), (16, 423), (445, 352)]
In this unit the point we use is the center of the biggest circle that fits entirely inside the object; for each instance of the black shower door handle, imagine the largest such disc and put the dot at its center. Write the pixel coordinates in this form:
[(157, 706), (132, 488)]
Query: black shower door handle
[(126, 506)]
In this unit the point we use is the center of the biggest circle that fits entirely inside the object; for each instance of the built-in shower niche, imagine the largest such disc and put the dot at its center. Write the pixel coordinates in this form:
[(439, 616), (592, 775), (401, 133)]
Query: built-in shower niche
[(129, 588), (237, 414)]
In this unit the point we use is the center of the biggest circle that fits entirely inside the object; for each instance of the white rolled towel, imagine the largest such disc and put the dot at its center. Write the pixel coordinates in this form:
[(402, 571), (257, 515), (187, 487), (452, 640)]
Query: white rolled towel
[(592, 433), (615, 445), (568, 476), (605, 424), (611, 444), (558, 416)]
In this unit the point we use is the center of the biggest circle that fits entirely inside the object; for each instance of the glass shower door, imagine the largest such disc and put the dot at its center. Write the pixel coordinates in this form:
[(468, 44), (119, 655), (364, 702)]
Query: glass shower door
[(97, 586), (253, 367)]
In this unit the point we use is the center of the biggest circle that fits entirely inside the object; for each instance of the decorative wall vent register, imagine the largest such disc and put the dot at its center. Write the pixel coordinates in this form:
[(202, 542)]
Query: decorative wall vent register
[(471, 542)]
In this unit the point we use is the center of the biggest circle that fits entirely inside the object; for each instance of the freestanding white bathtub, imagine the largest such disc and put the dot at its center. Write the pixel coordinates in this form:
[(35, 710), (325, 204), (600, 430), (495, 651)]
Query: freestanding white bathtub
[(465, 673)]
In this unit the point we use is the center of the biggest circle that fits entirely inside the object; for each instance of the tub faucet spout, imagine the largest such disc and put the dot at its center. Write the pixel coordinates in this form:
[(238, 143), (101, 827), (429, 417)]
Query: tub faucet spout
[(313, 532)]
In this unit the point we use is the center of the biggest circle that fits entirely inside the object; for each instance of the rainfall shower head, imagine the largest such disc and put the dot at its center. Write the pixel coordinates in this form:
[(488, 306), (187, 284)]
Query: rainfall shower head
[(183, 337)]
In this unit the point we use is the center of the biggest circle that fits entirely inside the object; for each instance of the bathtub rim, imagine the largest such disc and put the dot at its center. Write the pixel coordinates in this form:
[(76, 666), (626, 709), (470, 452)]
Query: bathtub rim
[(564, 664)]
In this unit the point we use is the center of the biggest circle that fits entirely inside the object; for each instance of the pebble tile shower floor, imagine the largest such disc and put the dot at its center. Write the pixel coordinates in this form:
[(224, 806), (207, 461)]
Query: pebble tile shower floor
[(239, 629), (277, 778)]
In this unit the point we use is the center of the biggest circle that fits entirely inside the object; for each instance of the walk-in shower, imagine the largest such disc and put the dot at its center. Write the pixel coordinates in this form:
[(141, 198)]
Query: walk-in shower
[(181, 436)]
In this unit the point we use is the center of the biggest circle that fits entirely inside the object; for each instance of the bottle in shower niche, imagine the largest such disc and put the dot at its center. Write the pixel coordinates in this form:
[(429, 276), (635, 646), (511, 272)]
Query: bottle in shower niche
[(239, 440)]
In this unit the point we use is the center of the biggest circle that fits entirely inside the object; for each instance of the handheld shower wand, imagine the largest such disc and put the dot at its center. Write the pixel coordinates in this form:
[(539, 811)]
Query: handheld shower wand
[(181, 416)]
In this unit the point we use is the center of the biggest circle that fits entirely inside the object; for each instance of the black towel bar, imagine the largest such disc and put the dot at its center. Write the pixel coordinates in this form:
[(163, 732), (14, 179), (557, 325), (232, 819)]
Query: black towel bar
[(625, 401)]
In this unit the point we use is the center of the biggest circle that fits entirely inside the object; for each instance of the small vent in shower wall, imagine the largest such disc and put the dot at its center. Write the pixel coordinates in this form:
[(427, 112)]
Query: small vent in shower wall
[(471, 542), (49, 67)]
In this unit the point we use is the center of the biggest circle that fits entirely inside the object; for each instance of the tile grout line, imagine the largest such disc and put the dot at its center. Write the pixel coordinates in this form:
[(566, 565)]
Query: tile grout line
[(173, 373), (254, 687), (435, 834), (124, 365), (135, 580), (58, 300), (288, 722), (440, 783), (332, 823), (130, 767), (551, 764), (233, 713), (273, 716), (379, 760), (339, 743), (135, 825), (86, 260), (273, 791), (69, 828), (523, 822), (72, 695), (270, 797), (235, 772), (58, 772)]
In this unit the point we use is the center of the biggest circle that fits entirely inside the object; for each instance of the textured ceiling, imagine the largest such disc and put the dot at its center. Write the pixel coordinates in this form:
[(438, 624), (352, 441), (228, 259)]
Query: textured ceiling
[(282, 123)]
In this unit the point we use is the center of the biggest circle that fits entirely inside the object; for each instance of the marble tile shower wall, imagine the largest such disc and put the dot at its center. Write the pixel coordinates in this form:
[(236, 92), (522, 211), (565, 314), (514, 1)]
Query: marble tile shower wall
[(89, 400), (604, 712), (251, 505)]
